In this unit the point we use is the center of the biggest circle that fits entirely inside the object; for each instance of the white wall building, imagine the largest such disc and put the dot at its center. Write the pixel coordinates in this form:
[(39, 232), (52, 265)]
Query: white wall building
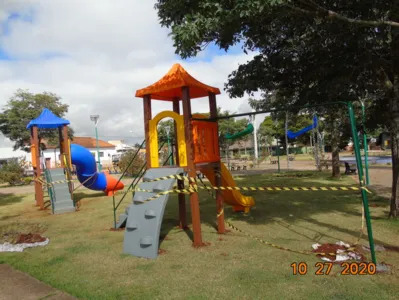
[(106, 151), (51, 155), (8, 152)]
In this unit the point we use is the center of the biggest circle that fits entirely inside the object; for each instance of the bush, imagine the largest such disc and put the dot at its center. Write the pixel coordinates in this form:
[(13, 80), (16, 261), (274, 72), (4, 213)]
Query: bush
[(136, 165), (12, 172), (27, 180)]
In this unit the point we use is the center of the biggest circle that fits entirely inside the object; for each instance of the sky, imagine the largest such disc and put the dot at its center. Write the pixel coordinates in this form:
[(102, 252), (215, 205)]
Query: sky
[(95, 55)]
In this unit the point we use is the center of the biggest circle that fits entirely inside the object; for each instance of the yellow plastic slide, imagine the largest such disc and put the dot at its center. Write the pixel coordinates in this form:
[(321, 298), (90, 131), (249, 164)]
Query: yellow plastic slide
[(234, 198)]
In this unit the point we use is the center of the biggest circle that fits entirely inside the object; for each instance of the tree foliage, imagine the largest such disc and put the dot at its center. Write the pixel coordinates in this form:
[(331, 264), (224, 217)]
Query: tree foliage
[(162, 126), (226, 126), (273, 126), (306, 52), (12, 171), (132, 167), (25, 106)]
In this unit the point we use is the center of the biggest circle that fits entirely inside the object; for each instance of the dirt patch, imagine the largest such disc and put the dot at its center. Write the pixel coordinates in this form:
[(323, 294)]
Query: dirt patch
[(22, 233), (116, 229), (391, 248), (330, 250), (29, 238)]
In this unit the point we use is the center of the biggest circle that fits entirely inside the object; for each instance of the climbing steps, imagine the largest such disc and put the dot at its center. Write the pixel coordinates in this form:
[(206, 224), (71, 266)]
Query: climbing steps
[(61, 199), (144, 219)]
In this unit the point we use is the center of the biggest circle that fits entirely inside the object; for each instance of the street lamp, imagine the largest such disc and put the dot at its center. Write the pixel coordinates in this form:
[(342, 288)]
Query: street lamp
[(95, 118), (167, 129)]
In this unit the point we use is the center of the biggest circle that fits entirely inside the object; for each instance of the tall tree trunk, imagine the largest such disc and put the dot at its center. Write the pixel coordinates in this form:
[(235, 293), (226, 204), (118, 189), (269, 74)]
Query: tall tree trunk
[(287, 149), (394, 128), (336, 170)]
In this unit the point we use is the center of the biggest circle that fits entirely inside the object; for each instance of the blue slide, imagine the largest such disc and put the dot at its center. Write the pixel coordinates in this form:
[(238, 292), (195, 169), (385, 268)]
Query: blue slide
[(86, 167), (293, 135)]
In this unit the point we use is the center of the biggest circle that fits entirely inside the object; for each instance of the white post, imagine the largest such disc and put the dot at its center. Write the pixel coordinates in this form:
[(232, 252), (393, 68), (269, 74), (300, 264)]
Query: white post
[(255, 137)]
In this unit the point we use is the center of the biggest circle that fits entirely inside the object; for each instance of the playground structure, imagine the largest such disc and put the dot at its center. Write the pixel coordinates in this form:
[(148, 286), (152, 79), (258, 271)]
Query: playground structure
[(197, 149), (58, 181)]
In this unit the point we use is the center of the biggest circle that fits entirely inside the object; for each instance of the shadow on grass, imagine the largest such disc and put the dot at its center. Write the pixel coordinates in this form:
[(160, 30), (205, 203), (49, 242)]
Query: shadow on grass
[(8, 199), (168, 224), (9, 217), (354, 233), (82, 195), (287, 206)]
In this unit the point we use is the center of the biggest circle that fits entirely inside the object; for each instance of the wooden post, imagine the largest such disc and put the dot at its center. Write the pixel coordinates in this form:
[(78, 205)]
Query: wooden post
[(194, 201), (147, 118), (65, 154), (62, 146), (66, 149), (218, 179), (37, 171), (180, 183)]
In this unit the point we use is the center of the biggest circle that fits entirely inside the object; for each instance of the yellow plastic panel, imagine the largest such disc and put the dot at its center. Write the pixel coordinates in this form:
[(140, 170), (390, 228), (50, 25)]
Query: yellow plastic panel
[(153, 137), (33, 152)]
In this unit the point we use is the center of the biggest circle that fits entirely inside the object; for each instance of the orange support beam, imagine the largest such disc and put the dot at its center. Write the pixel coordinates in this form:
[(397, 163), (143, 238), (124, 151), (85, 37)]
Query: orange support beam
[(37, 171), (192, 172)]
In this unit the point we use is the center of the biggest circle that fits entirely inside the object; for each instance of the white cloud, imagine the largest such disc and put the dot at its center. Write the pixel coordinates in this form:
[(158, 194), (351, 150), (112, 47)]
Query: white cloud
[(104, 51)]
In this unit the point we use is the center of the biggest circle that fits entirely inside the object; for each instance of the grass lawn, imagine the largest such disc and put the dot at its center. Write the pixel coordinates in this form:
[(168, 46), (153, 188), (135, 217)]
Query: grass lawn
[(84, 258)]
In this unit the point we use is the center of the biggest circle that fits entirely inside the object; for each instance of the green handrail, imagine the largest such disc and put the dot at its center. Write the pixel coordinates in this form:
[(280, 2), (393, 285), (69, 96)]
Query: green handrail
[(50, 190), (67, 169), (135, 181), (134, 156)]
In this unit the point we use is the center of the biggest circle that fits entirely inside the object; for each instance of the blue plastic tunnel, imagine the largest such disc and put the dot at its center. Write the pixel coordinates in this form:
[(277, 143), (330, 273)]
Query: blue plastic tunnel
[(86, 167)]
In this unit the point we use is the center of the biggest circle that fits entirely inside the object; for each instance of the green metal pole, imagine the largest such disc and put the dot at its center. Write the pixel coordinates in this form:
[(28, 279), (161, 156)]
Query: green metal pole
[(278, 156), (360, 172), (366, 155), (113, 202), (169, 149), (98, 152)]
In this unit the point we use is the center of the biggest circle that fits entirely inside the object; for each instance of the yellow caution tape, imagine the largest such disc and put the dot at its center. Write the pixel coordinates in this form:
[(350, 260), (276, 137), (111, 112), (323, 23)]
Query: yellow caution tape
[(351, 249)]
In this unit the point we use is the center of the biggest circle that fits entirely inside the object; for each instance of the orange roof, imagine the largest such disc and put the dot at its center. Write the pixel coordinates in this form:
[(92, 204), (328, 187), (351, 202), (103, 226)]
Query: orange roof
[(169, 86), (87, 142)]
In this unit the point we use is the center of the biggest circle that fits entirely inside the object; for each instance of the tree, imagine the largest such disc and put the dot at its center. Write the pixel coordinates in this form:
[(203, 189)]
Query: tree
[(229, 126), (25, 106), (137, 145), (12, 171), (162, 135), (309, 52), (276, 129), (132, 167)]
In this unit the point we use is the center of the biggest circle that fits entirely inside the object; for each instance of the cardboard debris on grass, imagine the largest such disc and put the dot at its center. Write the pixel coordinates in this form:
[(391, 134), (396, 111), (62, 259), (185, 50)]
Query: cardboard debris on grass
[(340, 249), (24, 241)]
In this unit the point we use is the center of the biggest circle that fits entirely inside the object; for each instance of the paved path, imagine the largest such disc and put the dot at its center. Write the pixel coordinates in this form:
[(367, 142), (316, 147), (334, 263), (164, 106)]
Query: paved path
[(20, 286)]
